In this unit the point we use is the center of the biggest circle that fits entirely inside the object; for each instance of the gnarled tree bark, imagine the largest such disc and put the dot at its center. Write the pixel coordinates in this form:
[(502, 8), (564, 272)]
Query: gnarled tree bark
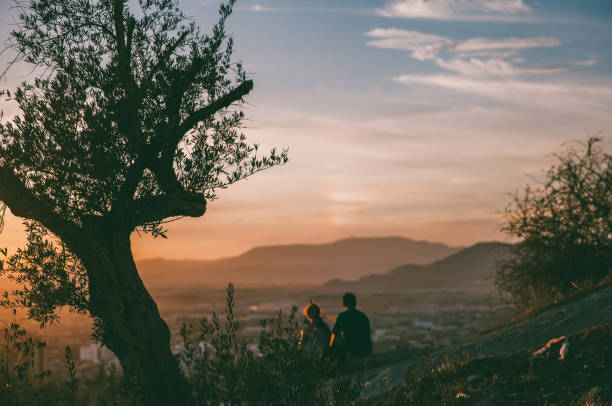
[(131, 324)]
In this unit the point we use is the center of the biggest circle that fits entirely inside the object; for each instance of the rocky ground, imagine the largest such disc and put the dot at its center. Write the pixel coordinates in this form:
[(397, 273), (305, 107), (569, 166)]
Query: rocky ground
[(499, 367)]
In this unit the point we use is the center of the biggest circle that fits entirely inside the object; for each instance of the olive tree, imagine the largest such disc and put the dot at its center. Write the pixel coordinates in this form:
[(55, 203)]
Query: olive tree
[(130, 118), (564, 227)]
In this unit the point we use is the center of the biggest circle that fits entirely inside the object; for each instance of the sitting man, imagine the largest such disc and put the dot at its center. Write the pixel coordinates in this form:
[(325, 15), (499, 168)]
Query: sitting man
[(352, 329)]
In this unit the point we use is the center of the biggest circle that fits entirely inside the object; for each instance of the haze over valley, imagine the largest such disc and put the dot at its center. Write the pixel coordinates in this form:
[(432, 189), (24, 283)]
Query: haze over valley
[(416, 293)]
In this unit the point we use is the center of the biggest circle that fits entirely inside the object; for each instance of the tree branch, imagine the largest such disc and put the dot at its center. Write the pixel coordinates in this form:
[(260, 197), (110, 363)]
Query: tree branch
[(164, 173), (132, 177), (24, 204), (163, 60), (224, 101), (169, 144), (162, 168), (119, 28), (157, 208)]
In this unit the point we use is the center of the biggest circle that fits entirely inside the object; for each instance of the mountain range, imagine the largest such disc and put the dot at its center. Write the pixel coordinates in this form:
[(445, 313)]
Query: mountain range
[(300, 264), (470, 268)]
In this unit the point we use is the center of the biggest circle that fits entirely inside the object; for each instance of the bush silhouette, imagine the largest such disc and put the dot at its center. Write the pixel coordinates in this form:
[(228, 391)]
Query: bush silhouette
[(227, 372), (219, 367), (565, 228)]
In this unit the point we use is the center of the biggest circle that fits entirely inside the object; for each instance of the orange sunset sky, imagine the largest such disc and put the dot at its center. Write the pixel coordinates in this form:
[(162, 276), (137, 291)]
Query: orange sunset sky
[(402, 118)]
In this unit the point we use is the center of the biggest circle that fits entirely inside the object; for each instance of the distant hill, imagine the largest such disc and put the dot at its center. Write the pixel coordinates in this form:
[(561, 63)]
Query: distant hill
[(472, 267), (301, 264)]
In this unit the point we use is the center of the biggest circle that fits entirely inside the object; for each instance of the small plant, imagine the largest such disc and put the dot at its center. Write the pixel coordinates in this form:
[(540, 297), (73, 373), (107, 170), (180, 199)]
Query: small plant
[(223, 370), (17, 362), (73, 383)]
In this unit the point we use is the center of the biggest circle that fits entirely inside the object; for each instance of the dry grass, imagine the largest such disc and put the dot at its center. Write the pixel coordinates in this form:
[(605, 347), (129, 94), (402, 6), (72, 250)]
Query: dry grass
[(584, 378)]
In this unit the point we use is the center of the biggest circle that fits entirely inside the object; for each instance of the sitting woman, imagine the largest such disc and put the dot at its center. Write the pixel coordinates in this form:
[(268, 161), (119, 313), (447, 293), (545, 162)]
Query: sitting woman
[(315, 335)]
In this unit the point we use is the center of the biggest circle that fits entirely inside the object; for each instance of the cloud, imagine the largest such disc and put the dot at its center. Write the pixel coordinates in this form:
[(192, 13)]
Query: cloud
[(426, 46), (472, 57), (456, 9), (485, 44), (491, 66), (584, 100), (260, 8), (423, 46), (587, 62)]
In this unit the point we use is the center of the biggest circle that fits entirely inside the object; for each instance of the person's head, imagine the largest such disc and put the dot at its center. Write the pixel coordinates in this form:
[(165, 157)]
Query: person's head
[(349, 300), (312, 311)]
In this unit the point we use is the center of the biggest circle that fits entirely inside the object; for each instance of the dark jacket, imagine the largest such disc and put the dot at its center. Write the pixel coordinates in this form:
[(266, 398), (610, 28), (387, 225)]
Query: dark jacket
[(353, 329)]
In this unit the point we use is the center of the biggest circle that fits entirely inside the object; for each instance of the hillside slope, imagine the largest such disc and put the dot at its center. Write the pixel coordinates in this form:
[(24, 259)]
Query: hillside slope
[(571, 316), (499, 367)]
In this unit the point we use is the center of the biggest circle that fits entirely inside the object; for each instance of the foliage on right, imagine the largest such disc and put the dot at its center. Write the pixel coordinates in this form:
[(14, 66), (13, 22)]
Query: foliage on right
[(564, 227)]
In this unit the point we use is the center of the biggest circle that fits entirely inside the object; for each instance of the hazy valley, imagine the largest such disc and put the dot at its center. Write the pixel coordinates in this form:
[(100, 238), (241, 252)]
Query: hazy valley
[(412, 304), (418, 311)]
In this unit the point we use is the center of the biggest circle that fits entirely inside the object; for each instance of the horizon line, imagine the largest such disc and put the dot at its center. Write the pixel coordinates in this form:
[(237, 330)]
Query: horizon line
[(459, 247)]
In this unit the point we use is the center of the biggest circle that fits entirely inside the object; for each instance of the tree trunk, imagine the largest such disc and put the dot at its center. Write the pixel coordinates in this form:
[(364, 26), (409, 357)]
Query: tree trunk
[(131, 325)]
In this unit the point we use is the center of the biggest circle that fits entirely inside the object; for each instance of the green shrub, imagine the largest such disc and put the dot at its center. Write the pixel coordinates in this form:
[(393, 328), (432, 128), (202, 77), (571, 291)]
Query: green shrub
[(564, 226), (225, 371), (19, 383)]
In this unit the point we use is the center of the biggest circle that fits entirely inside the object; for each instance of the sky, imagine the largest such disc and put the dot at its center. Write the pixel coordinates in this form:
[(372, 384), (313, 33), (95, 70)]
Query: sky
[(412, 118)]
